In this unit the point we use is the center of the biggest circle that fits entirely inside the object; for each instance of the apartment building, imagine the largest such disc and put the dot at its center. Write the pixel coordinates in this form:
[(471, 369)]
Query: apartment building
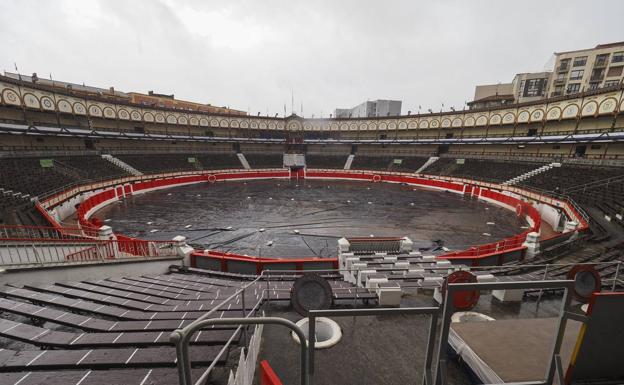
[(530, 86), (588, 69), (371, 109)]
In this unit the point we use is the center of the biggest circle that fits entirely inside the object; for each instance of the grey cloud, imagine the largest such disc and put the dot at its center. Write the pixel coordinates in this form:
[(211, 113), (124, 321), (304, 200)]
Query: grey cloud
[(250, 54)]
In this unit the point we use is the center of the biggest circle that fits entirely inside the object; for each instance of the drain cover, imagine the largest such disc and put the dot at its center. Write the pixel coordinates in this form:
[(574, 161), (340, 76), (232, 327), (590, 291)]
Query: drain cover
[(311, 292)]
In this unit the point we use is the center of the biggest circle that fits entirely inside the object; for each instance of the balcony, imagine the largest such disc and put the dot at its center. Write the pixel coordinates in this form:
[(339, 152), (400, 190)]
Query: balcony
[(563, 68), (559, 81)]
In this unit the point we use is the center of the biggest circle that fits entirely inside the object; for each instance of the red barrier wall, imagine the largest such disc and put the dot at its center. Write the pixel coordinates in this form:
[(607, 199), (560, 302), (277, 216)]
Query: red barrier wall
[(267, 375), (476, 253)]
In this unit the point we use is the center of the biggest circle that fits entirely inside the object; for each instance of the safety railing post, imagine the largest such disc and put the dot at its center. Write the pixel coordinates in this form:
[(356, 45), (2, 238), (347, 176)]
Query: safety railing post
[(539, 297), (244, 315), (310, 345), (615, 277)]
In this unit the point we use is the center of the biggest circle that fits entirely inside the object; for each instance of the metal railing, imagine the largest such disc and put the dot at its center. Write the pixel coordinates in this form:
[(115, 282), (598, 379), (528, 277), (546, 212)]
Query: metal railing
[(41, 252), (564, 314), (181, 337)]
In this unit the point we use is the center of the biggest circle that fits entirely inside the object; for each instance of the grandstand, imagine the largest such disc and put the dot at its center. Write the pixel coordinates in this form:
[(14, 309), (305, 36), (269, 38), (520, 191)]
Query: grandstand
[(83, 303)]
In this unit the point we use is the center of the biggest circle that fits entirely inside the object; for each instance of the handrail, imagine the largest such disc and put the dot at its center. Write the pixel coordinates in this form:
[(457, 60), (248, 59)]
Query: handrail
[(181, 338), (595, 184)]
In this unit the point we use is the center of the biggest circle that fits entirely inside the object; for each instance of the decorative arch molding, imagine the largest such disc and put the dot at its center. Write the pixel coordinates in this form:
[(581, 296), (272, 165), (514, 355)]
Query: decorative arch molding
[(457, 122), (171, 119), (537, 115), (590, 108), (481, 120), (294, 125), (160, 118), (79, 108), (47, 103), (149, 117), (95, 111), (523, 116), (570, 111), (509, 118), (135, 115), (495, 119), (446, 123), (109, 113), (31, 101), (182, 120), (554, 113), (11, 97), (608, 106), (469, 121)]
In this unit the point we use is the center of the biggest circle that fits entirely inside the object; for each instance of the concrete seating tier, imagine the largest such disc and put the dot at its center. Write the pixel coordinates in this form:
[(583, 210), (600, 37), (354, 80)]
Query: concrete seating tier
[(388, 163), (480, 169), (326, 161), (265, 160)]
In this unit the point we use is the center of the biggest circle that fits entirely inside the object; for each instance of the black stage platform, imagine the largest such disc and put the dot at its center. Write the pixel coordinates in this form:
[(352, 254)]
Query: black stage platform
[(305, 218)]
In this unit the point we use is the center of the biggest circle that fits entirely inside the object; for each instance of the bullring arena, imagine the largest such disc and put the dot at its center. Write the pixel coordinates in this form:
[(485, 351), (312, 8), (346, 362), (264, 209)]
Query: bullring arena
[(152, 245)]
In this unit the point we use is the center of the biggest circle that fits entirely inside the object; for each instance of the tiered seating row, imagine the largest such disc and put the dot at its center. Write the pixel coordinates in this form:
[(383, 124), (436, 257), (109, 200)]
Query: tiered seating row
[(480, 169), (388, 163)]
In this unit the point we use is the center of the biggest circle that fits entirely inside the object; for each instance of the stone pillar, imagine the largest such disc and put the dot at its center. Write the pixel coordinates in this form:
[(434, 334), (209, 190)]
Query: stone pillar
[(105, 233), (182, 249), (532, 244), (406, 245), (570, 226), (343, 245)]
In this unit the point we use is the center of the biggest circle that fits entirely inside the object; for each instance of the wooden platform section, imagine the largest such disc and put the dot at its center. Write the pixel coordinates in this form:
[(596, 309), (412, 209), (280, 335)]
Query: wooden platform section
[(516, 350)]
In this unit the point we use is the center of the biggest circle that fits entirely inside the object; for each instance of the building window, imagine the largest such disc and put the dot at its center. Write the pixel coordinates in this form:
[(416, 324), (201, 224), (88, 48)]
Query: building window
[(601, 60), (556, 147), (534, 87), (617, 57), (610, 83), (576, 74), (593, 86), (561, 76), (615, 71), (558, 91), (573, 88), (579, 61), (564, 64), (595, 147)]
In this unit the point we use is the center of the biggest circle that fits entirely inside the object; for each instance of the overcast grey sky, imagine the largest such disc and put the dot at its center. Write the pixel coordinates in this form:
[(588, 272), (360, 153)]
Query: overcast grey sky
[(250, 54)]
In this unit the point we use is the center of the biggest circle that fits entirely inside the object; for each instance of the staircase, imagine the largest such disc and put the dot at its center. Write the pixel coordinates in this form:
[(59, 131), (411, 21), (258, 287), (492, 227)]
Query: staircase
[(530, 174), (243, 161), (122, 165), (428, 163), (349, 161)]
